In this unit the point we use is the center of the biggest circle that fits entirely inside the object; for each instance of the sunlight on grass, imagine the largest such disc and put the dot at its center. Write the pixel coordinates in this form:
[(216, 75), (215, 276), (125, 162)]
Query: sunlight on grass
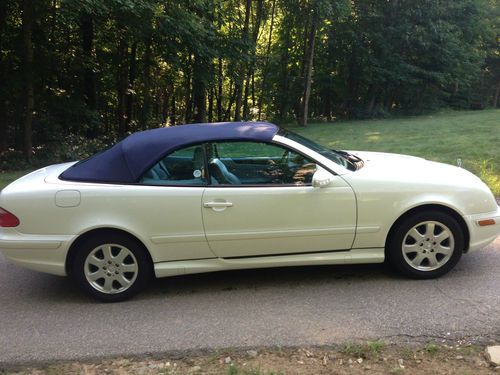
[(473, 136)]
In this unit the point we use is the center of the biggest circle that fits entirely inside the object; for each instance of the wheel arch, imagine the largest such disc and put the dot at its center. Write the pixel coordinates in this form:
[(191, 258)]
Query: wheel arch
[(100, 232), (431, 207)]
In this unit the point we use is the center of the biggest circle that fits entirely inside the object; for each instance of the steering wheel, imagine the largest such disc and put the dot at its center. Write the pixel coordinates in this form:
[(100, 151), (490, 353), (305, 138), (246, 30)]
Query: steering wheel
[(291, 159)]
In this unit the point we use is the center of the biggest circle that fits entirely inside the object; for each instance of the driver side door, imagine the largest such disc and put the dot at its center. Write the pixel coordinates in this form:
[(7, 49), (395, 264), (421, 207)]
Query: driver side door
[(271, 207)]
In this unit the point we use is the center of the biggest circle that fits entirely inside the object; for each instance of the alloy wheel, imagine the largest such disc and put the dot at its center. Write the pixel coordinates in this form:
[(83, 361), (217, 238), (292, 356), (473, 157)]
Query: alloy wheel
[(428, 245)]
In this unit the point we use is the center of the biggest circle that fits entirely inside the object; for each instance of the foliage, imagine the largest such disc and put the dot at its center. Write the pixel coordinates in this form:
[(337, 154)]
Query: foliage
[(105, 68), (69, 148)]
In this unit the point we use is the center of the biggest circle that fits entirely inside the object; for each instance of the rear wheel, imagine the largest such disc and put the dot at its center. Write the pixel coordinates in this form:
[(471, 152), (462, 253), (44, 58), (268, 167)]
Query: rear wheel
[(111, 268), (426, 245)]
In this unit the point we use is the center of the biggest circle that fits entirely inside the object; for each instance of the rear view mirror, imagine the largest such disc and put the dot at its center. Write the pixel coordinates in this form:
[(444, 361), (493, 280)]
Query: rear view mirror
[(322, 178)]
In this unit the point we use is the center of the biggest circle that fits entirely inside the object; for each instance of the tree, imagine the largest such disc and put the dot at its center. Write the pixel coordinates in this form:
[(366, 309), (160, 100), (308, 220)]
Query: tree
[(29, 98), (3, 77), (308, 61), (102, 69)]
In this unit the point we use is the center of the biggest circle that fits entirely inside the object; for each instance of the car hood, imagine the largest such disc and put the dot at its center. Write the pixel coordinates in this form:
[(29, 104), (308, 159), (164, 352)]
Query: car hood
[(401, 168)]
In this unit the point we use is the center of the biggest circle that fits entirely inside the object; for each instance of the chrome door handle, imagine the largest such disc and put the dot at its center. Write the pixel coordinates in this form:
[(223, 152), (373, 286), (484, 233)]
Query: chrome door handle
[(217, 204)]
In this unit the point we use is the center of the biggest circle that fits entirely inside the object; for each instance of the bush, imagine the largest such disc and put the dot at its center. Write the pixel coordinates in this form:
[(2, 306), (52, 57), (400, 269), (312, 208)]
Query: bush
[(72, 147)]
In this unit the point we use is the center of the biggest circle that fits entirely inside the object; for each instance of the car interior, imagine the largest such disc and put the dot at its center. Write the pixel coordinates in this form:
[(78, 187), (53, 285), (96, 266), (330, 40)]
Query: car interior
[(231, 163)]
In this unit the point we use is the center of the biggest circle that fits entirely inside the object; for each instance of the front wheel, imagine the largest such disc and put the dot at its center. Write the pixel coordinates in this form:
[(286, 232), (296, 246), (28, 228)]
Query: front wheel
[(111, 268), (426, 245)]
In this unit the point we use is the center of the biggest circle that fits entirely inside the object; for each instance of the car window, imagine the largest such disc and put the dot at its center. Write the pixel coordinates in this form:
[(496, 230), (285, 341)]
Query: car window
[(185, 166), (343, 158), (256, 163)]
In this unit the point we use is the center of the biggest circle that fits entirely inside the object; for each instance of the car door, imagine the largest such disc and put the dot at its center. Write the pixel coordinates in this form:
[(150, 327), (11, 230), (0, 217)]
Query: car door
[(266, 204), (168, 198)]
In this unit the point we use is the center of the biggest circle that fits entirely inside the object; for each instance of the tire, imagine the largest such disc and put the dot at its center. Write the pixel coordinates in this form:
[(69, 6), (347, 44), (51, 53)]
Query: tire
[(111, 268), (426, 245)]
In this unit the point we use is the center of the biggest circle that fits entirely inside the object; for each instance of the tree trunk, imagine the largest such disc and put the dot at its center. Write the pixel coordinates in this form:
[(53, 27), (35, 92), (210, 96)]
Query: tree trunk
[(188, 103), (497, 94), (122, 84), (130, 94), (87, 30), (52, 68), (29, 99), (245, 96), (145, 112), (253, 90), (199, 90), (172, 109), (3, 76), (251, 66), (232, 96), (304, 109), (165, 100), (211, 104), (372, 94), (265, 69), (282, 94), (238, 83), (220, 79)]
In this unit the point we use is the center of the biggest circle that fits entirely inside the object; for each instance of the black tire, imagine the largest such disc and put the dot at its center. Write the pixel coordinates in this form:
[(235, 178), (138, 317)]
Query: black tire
[(127, 276), (430, 258)]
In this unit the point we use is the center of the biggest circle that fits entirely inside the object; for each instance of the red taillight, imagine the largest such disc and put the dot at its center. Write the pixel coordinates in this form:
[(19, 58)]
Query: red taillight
[(8, 220)]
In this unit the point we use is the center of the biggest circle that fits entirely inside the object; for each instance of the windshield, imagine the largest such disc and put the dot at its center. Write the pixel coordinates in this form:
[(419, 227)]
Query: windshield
[(339, 157)]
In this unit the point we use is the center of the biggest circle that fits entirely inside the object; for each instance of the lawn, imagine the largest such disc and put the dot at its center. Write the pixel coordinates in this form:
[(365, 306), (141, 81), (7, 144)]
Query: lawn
[(7, 177), (473, 136)]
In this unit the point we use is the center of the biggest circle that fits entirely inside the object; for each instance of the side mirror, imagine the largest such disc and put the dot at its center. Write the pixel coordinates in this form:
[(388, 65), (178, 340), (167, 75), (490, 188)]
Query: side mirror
[(322, 178)]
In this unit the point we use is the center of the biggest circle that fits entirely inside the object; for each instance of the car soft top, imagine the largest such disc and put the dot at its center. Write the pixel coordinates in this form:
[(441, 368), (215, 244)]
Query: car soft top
[(129, 159)]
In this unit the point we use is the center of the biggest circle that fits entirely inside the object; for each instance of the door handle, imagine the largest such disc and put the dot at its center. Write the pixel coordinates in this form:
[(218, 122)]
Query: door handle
[(217, 204)]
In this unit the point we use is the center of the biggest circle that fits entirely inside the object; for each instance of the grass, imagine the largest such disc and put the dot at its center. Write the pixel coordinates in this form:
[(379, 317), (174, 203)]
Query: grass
[(473, 136), (431, 348), (370, 349), (7, 177), (375, 347)]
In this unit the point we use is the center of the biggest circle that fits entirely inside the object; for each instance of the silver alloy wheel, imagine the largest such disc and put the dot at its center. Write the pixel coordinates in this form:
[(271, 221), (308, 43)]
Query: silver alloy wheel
[(428, 245), (111, 268)]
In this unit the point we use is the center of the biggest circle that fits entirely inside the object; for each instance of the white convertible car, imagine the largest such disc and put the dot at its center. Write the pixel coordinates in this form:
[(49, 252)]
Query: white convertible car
[(210, 197)]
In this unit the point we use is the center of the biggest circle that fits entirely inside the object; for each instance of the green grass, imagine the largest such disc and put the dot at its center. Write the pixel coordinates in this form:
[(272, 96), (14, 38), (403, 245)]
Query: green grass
[(431, 348), (375, 347), (7, 177), (370, 349), (473, 136)]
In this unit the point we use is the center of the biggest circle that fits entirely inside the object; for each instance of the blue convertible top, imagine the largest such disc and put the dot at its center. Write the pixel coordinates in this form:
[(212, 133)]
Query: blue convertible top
[(129, 159)]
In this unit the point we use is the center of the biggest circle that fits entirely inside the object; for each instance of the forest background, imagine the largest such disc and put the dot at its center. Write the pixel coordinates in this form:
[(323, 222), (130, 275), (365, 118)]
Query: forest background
[(76, 75)]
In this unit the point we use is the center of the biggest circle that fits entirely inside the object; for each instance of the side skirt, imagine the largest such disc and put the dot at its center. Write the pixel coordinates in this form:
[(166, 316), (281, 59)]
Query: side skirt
[(354, 256)]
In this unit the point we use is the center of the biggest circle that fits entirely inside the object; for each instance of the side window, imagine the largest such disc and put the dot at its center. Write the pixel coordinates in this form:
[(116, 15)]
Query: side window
[(182, 167), (255, 163)]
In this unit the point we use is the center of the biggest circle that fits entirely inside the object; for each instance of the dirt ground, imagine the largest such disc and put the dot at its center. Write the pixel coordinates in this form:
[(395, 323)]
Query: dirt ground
[(368, 358)]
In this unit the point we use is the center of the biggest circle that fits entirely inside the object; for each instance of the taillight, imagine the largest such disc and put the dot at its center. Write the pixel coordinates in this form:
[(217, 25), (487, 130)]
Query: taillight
[(8, 220)]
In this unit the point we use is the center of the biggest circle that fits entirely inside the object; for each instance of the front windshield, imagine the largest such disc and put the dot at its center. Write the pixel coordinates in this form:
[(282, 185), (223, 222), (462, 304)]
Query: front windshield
[(338, 157)]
